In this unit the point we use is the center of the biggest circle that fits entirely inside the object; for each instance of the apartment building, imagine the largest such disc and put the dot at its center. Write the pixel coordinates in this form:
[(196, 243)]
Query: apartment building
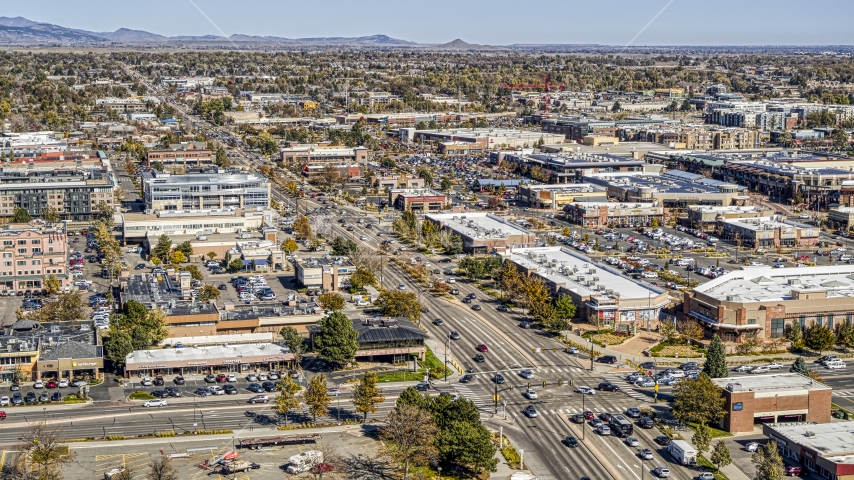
[(191, 154), (74, 192), (121, 105), (202, 191), (30, 253), (418, 200)]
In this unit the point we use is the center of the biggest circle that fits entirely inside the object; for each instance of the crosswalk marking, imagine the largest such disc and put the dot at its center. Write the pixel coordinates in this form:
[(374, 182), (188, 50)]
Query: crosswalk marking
[(552, 412)]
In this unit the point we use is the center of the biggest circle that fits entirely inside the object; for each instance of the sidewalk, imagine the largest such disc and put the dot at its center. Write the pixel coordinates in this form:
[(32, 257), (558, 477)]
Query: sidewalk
[(731, 471)]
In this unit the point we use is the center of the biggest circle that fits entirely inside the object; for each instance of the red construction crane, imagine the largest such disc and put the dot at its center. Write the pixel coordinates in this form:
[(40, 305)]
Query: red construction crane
[(528, 86)]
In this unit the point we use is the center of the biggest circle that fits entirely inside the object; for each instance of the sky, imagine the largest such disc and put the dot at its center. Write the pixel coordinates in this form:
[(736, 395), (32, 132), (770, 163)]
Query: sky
[(490, 22)]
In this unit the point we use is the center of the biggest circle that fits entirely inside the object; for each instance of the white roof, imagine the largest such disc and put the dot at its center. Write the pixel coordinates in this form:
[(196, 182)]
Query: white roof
[(478, 224), (758, 223), (778, 383), (564, 267), (205, 353), (762, 284), (833, 441)]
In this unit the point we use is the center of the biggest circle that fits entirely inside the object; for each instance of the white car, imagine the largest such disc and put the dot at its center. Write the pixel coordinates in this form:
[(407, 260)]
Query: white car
[(262, 377), (632, 442), (585, 390), (531, 394), (146, 382), (38, 384), (157, 402), (334, 392), (401, 287), (4, 401), (63, 383), (231, 378), (774, 366), (645, 383), (759, 369), (603, 430), (834, 365), (752, 447), (451, 280)]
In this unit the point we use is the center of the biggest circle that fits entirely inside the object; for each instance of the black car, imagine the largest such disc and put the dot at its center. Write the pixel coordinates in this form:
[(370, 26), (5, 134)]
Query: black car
[(479, 358), (438, 321), (611, 359), (255, 388), (222, 286), (499, 379), (467, 300), (160, 393), (466, 378), (202, 392), (646, 422), (179, 380), (608, 387), (173, 391), (647, 365), (422, 387), (229, 389), (30, 398), (662, 440), (633, 413), (268, 386), (605, 416), (159, 381), (139, 266), (15, 387), (502, 308), (571, 442)]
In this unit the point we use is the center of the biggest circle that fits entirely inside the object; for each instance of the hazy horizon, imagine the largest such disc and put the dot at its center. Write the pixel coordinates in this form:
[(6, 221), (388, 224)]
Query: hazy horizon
[(682, 22)]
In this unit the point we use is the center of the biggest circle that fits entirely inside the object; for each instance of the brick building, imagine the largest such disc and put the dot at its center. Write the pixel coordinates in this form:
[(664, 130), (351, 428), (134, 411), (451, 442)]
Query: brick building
[(418, 200), (192, 154), (483, 232), (783, 397), (824, 449)]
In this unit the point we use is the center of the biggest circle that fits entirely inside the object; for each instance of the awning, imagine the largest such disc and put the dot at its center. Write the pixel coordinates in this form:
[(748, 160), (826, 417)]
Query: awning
[(258, 263), (725, 326)]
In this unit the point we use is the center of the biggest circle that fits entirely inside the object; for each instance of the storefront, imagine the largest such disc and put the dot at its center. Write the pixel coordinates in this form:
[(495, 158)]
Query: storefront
[(209, 359), (72, 360)]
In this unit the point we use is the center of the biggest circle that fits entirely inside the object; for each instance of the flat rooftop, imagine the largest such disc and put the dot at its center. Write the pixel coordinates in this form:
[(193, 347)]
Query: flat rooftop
[(478, 224), (567, 188), (563, 266), (205, 353), (727, 209), (833, 441), (778, 383), (577, 159), (663, 183), (483, 133), (763, 284), (759, 223), (614, 205)]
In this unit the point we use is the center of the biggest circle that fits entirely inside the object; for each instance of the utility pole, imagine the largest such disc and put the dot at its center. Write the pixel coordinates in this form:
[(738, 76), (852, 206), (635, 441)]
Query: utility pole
[(447, 346)]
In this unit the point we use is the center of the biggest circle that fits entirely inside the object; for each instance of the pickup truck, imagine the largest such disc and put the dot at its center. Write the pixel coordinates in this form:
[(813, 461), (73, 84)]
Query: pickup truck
[(239, 466)]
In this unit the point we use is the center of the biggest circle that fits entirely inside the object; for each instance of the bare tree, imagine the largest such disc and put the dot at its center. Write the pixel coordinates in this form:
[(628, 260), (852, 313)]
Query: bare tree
[(161, 469), (409, 433), (41, 456)]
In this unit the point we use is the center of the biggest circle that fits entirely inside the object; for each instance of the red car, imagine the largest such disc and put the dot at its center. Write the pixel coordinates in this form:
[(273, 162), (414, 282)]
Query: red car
[(793, 470), (50, 384), (482, 348), (588, 415), (221, 378)]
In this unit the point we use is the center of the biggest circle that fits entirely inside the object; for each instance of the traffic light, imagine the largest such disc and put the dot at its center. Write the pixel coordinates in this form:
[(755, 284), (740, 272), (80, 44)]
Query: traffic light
[(496, 398), (529, 384), (533, 350), (544, 384), (560, 383), (554, 349)]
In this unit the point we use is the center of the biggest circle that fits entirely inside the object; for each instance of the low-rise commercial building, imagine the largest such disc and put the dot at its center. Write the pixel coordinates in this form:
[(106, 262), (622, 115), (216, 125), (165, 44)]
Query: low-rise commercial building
[(200, 191), (781, 397), (308, 154), (556, 197), (762, 302), (823, 448), (325, 273), (572, 167), (346, 170), (607, 214), (600, 291), (209, 359), (672, 188), (192, 154), (418, 200), (483, 232), (397, 181), (486, 138), (841, 218), (767, 232), (59, 350), (705, 218), (394, 340), (148, 227)]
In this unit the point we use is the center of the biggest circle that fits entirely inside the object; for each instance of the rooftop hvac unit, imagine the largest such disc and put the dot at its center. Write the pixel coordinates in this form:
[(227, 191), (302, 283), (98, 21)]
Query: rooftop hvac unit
[(734, 387)]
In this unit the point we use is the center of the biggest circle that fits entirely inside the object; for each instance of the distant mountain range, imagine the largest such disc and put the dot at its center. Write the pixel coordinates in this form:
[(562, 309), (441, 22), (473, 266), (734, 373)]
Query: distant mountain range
[(19, 31)]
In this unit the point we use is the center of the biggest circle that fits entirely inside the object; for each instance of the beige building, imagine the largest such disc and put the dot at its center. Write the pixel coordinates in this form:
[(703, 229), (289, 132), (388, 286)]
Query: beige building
[(597, 214), (762, 302), (555, 197), (328, 274), (200, 191), (323, 154), (618, 301), (705, 218), (483, 232), (31, 252)]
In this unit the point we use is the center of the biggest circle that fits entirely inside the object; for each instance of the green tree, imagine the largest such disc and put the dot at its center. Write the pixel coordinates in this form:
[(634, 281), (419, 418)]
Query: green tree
[(162, 249), (840, 139), (820, 338), (702, 437), (715, 366), (446, 184), (564, 308), (286, 399), (698, 401), (846, 333), (266, 143), (186, 248), (769, 465), (411, 397), (317, 396), (396, 303), (336, 341), (50, 214), (117, 346), (294, 341), (343, 246), (290, 246), (800, 366), (21, 215), (331, 301), (366, 395), (616, 107), (193, 271), (208, 293), (427, 175), (104, 214), (468, 445), (720, 455), (236, 265), (794, 333)]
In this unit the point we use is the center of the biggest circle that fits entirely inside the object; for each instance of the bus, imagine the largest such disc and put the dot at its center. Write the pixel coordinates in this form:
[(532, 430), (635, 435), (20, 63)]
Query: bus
[(620, 426)]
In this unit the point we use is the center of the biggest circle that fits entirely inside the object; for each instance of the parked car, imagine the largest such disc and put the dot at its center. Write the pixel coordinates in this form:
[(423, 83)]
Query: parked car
[(793, 470), (179, 380)]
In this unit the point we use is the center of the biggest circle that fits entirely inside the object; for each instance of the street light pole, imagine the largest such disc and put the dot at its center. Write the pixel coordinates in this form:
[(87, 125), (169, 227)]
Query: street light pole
[(447, 346), (584, 418)]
